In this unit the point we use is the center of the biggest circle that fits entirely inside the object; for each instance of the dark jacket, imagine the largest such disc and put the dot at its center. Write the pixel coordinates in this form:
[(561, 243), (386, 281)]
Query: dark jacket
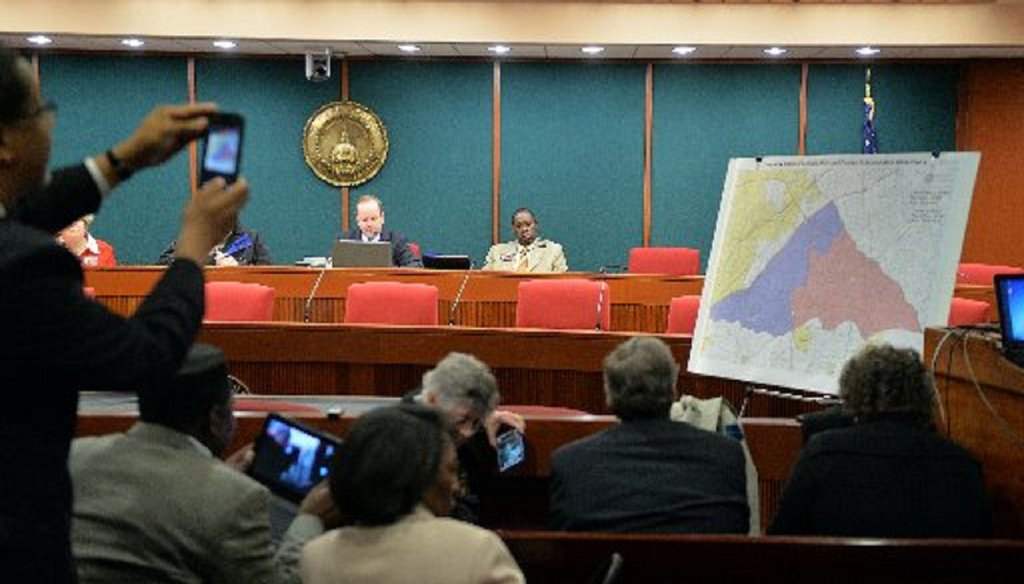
[(884, 479), (55, 342), (650, 476), (245, 245), (476, 459), (401, 255)]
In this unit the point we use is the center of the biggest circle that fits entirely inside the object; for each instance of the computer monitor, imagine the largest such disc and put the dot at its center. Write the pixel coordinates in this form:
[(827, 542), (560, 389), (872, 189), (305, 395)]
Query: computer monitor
[(446, 262), (1010, 299), (361, 254)]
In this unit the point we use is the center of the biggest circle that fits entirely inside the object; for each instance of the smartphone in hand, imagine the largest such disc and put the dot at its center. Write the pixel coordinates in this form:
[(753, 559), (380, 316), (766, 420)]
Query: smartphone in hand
[(222, 148), (511, 450)]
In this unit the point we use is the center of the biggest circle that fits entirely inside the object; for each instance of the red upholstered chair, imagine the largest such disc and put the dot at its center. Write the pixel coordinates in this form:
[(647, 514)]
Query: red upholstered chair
[(678, 261), (981, 274), (563, 304), (682, 314), (415, 249), (238, 301), (963, 311), (391, 303)]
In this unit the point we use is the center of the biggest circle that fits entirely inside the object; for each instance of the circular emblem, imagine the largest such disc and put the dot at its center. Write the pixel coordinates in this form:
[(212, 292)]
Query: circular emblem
[(345, 143)]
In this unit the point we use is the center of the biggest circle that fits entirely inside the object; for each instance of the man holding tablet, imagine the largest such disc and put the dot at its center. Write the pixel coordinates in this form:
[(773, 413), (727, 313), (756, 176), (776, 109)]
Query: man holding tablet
[(157, 501)]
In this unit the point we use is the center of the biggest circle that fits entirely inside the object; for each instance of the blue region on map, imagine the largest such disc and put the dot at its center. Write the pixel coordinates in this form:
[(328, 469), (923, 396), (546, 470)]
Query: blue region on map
[(764, 307)]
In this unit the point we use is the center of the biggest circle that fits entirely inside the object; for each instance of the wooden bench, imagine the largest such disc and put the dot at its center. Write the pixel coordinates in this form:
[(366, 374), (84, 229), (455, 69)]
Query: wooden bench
[(546, 556)]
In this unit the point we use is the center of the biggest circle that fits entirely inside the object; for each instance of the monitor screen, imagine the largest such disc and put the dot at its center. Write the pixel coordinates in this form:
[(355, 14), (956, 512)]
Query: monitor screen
[(447, 262), (1010, 297)]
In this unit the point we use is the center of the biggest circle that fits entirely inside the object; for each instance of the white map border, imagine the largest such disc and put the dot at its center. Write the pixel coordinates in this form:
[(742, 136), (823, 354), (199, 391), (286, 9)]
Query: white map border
[(949, 175)]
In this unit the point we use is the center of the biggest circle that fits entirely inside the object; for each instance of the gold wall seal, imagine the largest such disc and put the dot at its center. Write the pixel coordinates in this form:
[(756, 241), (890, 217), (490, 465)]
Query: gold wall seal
[(345, 143)]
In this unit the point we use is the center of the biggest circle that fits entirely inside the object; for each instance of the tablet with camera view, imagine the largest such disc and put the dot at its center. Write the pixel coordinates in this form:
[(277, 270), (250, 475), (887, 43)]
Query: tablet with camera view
[(290, 459)]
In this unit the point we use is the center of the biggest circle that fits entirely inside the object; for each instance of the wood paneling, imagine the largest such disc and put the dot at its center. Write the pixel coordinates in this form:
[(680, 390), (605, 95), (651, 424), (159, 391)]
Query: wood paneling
[(991, 121), (557, 557), (533, 367), (638, 302), (969, 371)]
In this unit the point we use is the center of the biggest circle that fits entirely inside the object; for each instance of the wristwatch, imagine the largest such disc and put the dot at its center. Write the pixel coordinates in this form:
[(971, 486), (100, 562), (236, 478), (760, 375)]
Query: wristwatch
[(120, 169)]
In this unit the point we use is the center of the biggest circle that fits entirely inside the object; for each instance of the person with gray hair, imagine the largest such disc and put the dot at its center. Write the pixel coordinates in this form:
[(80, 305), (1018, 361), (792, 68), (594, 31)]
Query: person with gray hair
[(648, 474), (890, 474), (464, 388)]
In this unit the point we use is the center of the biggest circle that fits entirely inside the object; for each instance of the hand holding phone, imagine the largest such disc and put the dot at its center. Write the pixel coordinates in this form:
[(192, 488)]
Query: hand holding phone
[(511, 449), (222, 148)]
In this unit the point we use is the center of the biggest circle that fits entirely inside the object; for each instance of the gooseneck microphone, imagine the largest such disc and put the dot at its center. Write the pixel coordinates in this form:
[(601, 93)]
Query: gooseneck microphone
[(458, 297), (307, 310), (600, 304)]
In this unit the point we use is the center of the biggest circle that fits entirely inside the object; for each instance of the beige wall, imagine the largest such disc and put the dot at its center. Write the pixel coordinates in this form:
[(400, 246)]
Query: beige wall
[(979, 24)]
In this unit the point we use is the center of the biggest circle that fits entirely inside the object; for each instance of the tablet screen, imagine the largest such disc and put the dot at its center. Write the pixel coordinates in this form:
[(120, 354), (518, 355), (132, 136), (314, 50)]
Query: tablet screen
[(290, 459)]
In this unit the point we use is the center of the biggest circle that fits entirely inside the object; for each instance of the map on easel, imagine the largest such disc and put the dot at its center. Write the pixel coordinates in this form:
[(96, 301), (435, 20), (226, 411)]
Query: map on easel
[(815, 256)]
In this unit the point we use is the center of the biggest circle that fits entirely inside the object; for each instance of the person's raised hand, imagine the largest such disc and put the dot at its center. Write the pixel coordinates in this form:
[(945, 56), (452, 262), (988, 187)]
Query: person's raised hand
[(162, 133), (499, 418), (242, 458), (208, 216)]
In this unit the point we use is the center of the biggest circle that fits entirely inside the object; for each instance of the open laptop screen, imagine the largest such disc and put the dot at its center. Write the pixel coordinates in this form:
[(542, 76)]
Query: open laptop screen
[(359, 254), (1010, 297)]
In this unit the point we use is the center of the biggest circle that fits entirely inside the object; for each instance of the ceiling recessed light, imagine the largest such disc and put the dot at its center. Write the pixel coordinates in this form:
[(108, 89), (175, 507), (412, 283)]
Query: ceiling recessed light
[(500, 49), (868, 51), (225, 44), (409, 48), (39, 40), (775, 51), (684, 50), (592, 50), (133, 43)]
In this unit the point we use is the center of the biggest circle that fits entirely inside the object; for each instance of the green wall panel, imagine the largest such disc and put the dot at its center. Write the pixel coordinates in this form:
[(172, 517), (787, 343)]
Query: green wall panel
[(703, 116), (572, 143), (572, 150), (297, 213), (915, 108), (436, 182), (101, 100)]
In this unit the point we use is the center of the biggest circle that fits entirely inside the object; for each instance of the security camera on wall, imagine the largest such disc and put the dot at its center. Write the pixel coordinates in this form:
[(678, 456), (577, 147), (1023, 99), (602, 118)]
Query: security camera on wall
[(318, 66)]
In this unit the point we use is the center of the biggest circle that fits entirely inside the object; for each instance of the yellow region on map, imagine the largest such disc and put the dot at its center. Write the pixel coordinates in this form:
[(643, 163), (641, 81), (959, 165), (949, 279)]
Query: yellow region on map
[(802, 338), (767, 205)]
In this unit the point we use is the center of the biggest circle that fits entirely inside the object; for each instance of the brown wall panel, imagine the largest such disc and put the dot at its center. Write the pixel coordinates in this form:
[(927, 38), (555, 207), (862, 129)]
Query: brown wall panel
[(991, 120)]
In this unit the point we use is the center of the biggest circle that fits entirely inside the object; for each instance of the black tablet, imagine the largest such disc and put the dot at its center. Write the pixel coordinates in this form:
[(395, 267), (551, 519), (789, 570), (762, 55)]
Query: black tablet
[(290, 459)]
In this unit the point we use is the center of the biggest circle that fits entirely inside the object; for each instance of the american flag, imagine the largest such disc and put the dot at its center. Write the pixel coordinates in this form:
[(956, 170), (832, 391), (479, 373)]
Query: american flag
[(870, 143)]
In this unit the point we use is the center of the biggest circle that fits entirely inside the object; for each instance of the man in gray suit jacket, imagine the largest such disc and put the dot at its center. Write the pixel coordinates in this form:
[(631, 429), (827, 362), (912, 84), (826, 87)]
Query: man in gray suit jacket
[(157, 505)]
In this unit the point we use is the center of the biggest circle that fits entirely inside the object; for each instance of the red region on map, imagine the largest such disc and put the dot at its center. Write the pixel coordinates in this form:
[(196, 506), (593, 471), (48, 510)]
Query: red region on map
[(845, 285)]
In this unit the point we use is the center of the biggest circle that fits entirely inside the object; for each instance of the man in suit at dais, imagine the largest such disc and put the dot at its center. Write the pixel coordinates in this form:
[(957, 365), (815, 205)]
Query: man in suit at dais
[(528, 253), (370, 221)]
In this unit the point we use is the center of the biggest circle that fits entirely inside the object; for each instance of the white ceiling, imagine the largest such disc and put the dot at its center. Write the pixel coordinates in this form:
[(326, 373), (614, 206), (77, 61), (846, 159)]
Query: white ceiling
[(371, 48)]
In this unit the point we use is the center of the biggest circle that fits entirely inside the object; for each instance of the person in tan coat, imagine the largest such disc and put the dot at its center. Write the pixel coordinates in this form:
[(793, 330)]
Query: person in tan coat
[(528, 253), (393, 481)]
